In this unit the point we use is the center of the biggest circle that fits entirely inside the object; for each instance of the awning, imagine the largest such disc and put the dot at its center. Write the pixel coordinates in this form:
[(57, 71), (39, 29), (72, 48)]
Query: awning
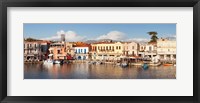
[(50, 55)]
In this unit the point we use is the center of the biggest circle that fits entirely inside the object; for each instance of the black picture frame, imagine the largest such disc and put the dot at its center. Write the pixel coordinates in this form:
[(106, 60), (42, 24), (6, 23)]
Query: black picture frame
[(99, 3)]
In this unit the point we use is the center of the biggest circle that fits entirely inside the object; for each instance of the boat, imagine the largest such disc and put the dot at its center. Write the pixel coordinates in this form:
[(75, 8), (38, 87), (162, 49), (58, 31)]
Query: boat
[(124, 64), (145, 66), (48, 61), (99, 62), (168, 64), (155, 64), (57, 62), (91, 62)]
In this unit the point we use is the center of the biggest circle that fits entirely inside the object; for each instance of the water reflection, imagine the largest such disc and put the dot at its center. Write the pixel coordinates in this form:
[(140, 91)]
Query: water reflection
[(88, 71)]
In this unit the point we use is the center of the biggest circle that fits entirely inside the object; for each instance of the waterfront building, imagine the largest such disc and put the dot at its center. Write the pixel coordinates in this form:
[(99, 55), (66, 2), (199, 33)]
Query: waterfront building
[(133, 48), (81, 52), (69, 49), (166, 49), (148, 50), (106, 50), (35, 50), (57, 51)]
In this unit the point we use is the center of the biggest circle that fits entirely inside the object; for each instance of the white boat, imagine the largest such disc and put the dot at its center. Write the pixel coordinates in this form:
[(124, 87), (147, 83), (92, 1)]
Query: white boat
[(57, 62), (124, 64), (48, 61), (99, 62)]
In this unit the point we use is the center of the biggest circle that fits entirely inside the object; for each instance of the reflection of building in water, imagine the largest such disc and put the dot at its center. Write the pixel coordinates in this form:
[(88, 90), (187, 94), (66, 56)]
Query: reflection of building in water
[(166, 49), (35, 50)]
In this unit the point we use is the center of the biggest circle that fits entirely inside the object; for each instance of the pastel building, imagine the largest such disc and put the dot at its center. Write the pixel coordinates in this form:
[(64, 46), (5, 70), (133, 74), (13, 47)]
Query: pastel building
[(69, 48), (133, 48), (57, 51), (147, 50), (35, 50), (106, 50), (81, 52), (166, 49)]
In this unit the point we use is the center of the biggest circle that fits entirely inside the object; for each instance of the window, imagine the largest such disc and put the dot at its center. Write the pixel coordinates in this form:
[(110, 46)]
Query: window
[(132, 47), (58, 51), (116, 47), (35, 45), (119, 47), (110, 47)]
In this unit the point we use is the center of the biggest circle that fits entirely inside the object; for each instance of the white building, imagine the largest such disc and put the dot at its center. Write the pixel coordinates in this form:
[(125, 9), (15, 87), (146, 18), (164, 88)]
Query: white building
[(166, 49), (130, 49), (148, 50), (81, 52)]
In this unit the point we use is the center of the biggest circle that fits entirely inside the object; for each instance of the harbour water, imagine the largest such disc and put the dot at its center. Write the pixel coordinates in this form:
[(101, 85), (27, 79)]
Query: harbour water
[(92, 71)]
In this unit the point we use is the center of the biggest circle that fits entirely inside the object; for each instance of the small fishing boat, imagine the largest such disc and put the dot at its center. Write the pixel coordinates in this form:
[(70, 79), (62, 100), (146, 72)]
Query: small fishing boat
[(124, 64), (48, 61), (99, 62), (168, 64), (57, 62), (155, 64), (145, 66)]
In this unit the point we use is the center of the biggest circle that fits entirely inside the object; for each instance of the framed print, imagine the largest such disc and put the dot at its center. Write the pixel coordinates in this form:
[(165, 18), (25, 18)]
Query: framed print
[(99, 51)]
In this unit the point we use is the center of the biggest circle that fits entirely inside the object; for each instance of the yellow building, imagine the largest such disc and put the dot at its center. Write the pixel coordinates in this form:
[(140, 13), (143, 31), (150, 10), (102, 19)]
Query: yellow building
[(106, 50)]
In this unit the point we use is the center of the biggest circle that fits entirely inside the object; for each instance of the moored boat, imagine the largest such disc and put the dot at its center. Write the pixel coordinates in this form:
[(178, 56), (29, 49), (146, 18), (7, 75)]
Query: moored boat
[(57, 62), (168, 64), (124, 64), (48, 61), (145, 66)]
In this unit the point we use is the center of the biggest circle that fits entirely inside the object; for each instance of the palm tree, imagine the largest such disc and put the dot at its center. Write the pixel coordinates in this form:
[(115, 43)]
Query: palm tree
[(153, 36)]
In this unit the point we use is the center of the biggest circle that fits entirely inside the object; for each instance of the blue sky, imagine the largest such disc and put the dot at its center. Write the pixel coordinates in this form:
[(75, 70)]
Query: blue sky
[(82, 32)]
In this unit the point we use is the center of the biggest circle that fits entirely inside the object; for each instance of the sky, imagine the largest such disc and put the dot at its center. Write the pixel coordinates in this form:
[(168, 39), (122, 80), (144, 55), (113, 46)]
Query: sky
[(84, 32)]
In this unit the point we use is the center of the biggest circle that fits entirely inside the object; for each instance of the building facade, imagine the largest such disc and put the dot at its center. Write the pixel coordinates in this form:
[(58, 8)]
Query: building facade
[(106, 50), (81, 52), (57, 51), (148, 50), (166, 49), (36, 50)]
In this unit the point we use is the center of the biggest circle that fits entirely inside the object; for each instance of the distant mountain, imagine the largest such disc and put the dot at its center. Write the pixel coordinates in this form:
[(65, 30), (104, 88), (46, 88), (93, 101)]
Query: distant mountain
[(91, 41), (107, 40), (171, 38)]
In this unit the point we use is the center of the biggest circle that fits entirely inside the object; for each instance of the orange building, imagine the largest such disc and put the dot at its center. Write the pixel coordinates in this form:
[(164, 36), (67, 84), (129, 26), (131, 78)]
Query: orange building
[(57, 51)]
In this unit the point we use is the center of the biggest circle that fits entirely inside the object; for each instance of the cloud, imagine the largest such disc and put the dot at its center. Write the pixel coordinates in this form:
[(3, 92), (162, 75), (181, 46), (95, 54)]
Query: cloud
[(70, 36), (114, 35)]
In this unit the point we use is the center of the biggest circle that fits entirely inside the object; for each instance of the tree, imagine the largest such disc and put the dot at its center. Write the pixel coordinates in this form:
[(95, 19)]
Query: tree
[(153, 36)]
